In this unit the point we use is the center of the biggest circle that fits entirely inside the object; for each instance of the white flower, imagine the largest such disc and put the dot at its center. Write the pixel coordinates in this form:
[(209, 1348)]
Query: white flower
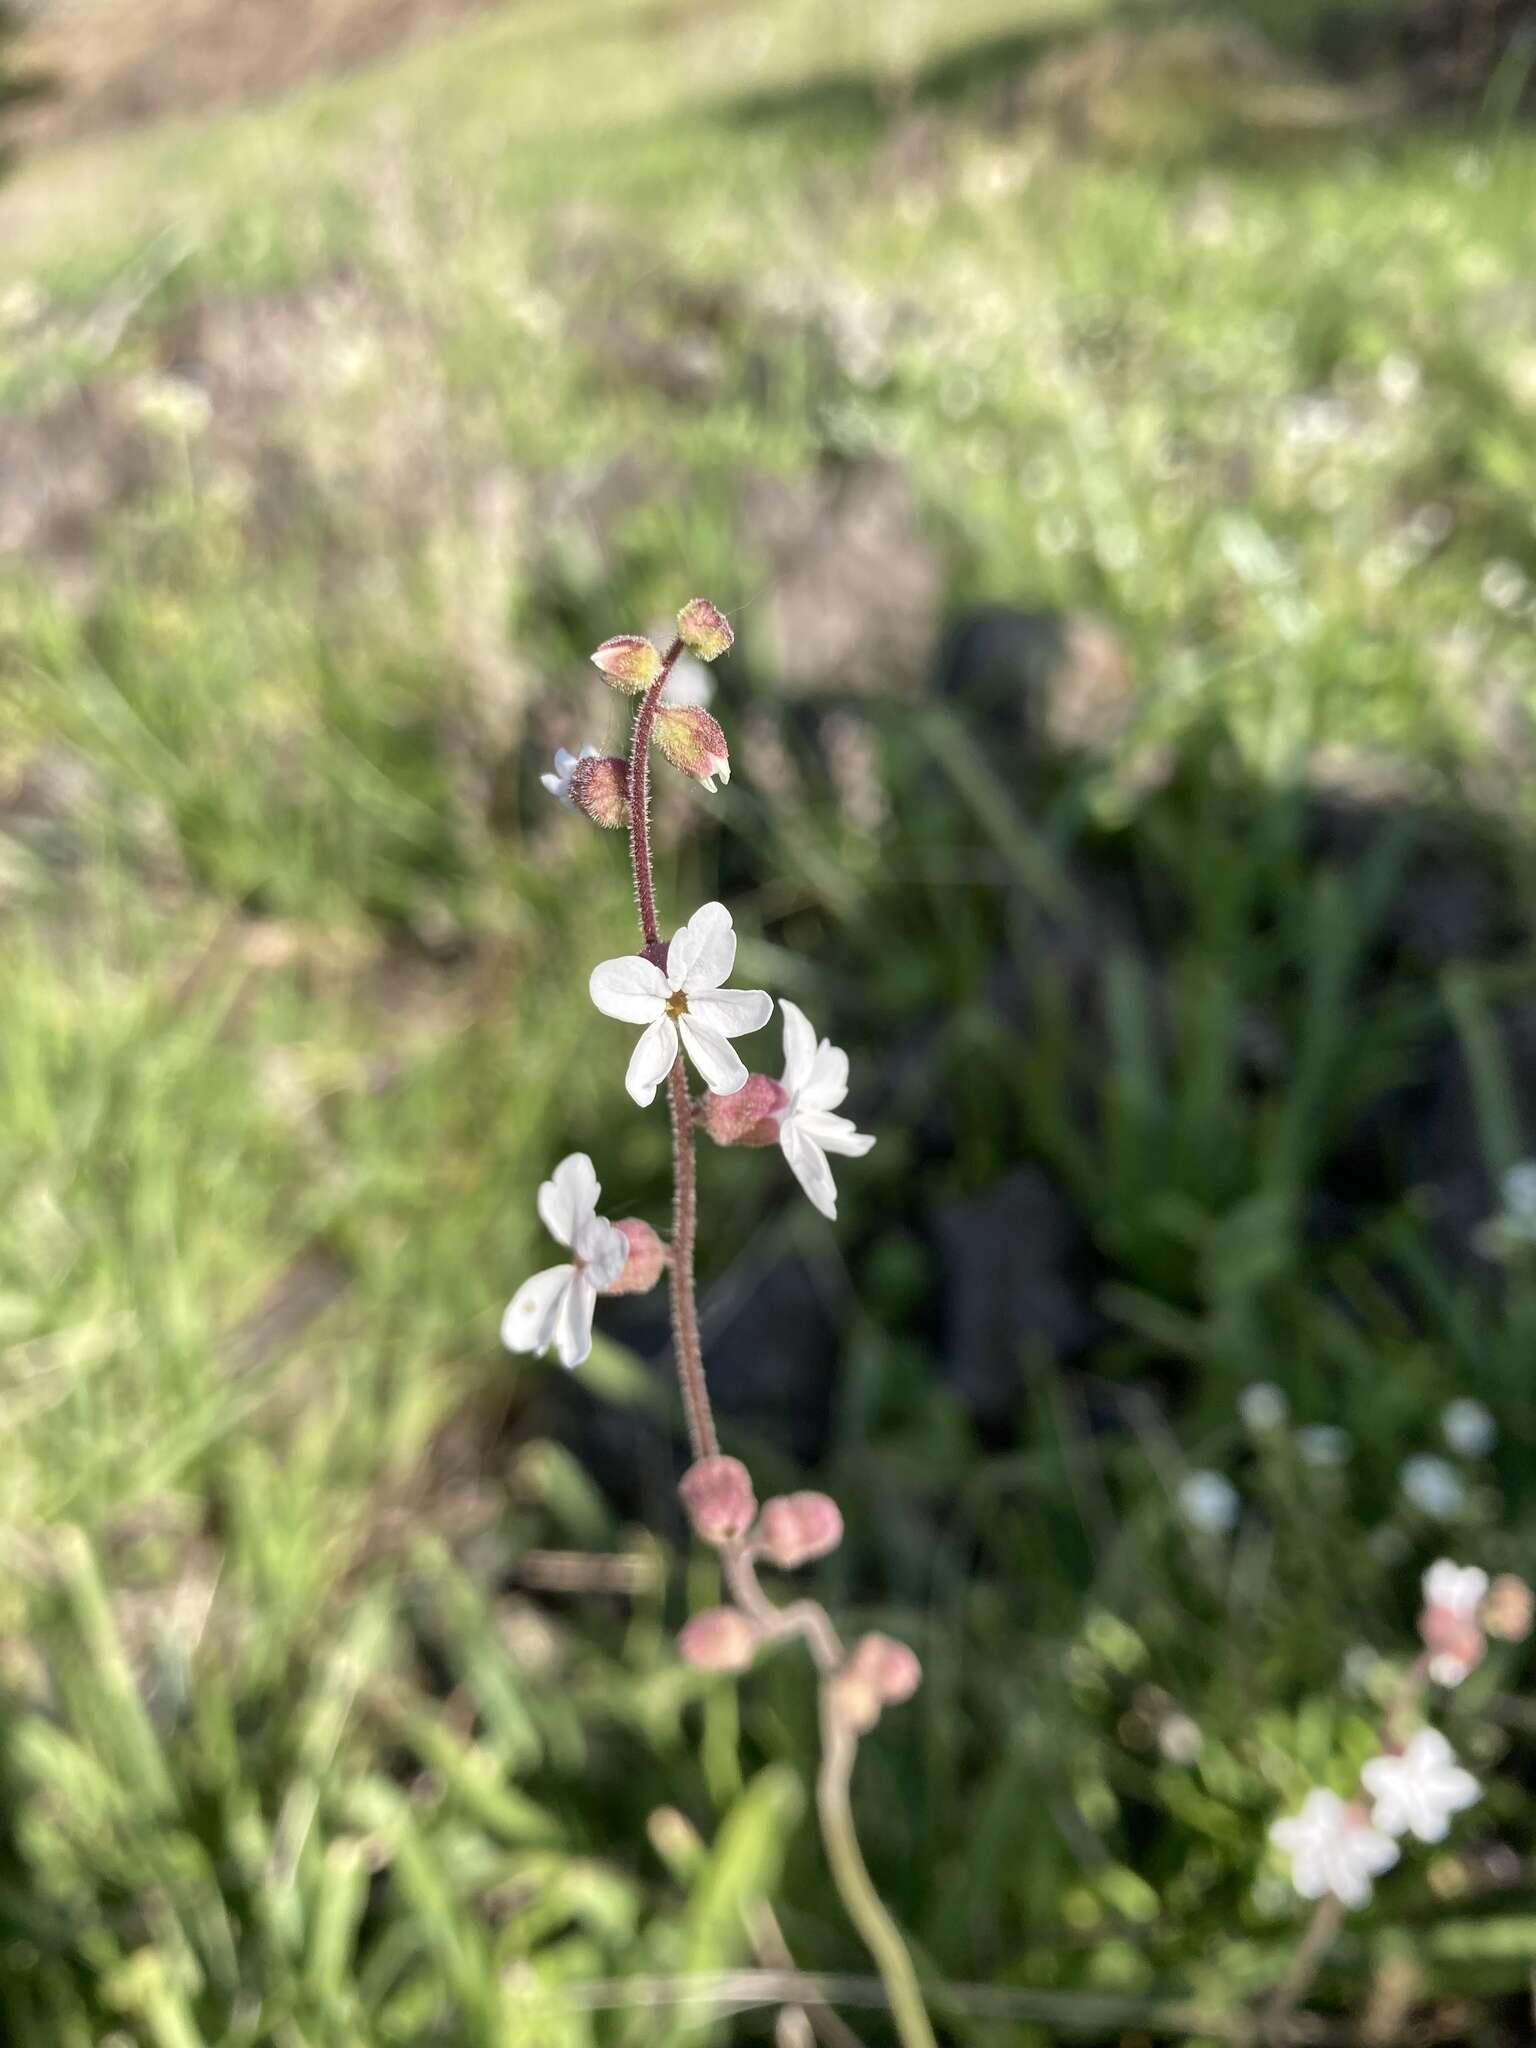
[(815, 1079), (1434, 1488), (1209, 1502), (686, 999), (1417, 1792), (1333, 1848), (1469, 1428), (1263, 1406), (559, 784), (554, 1308), (1459, 1588)]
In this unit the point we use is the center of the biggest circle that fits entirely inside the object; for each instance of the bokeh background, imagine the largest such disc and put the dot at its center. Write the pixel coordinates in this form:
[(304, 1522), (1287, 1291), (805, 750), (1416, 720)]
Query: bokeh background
[(1110, 428)]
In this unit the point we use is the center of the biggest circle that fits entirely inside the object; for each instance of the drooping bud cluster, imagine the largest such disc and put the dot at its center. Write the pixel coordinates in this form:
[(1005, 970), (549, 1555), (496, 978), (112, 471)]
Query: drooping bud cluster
[(599, 786), (629, 662), (647, 1260), (704, 629), (692, 741), (750, 1116), (880, 1673)]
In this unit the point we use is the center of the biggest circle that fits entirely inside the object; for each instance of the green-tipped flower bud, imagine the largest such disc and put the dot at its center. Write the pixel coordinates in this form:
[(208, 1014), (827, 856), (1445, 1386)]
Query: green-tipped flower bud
[(647, 1261), (693, 741), (629, 662), (704, 629), (599, 785), (750, 1116)]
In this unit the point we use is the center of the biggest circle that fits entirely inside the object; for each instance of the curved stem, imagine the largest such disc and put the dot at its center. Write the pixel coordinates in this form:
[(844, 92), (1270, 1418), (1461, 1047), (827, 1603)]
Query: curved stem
[(855, 1887), (1322, 1932), (640, 798)]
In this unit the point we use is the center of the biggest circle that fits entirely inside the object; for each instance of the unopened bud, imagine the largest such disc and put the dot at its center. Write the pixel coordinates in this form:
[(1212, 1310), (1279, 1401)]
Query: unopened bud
[(692, 740), (750, 1116), (798, 1527), (1509, 1609), (1455, 1643), (704, 629), (717, 1494), (629, 662), (890, 1667), (600, 787), (853, 1700), (719, 1639), (647, 1261)]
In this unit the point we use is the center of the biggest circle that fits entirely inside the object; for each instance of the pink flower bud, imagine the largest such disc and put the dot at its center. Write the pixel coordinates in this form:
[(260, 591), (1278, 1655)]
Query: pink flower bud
[(1509, 1609), (891, 1668), (704, 630), (629, 662), (750, 1116), (600, 787), (798, 1527), (853, 1700), (1455, 1643), (719, 1639), (693, 741), (717, 1493), (647, 1261)]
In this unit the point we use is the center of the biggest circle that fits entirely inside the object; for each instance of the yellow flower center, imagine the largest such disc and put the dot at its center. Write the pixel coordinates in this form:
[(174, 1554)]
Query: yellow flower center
[(677, 1004)]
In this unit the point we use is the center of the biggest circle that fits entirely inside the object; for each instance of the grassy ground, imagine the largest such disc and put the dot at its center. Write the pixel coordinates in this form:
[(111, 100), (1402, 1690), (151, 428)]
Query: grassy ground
[(333, 434)]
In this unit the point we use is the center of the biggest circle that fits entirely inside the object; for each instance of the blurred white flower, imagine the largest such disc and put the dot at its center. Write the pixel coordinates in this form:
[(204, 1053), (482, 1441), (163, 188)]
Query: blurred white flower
[(1458, 1588), (1322, 1445), (1504, 585), (1333, 1848), (554, 1309), (686, 1000), (1450, 1624), (815, 1079), (1469, 1428), (1263, 1406), (1433, 1487), (1417, 1792), (1179, 1739), (1519, 1191), (559, 783), (690, 683), (1209, 1501), (1400, 379)]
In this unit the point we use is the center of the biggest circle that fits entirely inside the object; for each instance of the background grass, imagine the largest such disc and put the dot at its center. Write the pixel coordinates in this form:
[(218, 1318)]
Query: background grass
[(336, 433)]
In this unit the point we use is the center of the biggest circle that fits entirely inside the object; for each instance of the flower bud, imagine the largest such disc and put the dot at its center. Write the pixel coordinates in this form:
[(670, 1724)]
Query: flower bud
[(719, 1639), (798, 1527), (717, 1493), (1509, 1609), (891, 1668), (853, 1700), (1455, 1643), (704, 630), (647, 1261), (692, 740), (600, 787), (629, 662), (750, 1116)]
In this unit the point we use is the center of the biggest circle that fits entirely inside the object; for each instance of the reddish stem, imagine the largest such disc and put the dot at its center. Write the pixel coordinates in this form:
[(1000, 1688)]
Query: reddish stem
[(687, 1351)]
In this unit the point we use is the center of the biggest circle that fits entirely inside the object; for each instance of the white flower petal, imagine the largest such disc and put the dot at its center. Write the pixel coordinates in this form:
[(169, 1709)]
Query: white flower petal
[(569, 1197), (833, 1133), (703, 953), (651, 1061), (573, 1330), (808, 1163), (731, 1011), (631, 989), (799, 1046), (603, 1249), (534, 1311), (712, 1053)]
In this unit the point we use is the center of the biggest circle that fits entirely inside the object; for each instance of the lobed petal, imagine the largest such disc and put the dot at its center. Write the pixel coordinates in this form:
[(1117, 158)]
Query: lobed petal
[(703, 952), (733, 1012), (533, 1313), (799, 1046), (569, 1197), (833, 1133), (808, 1163), (573, 1327), (713, 1054)]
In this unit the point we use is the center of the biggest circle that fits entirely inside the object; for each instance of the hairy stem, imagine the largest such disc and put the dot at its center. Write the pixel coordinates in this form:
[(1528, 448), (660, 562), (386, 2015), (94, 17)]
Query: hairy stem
[(687, 1351), (801, 1618)]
